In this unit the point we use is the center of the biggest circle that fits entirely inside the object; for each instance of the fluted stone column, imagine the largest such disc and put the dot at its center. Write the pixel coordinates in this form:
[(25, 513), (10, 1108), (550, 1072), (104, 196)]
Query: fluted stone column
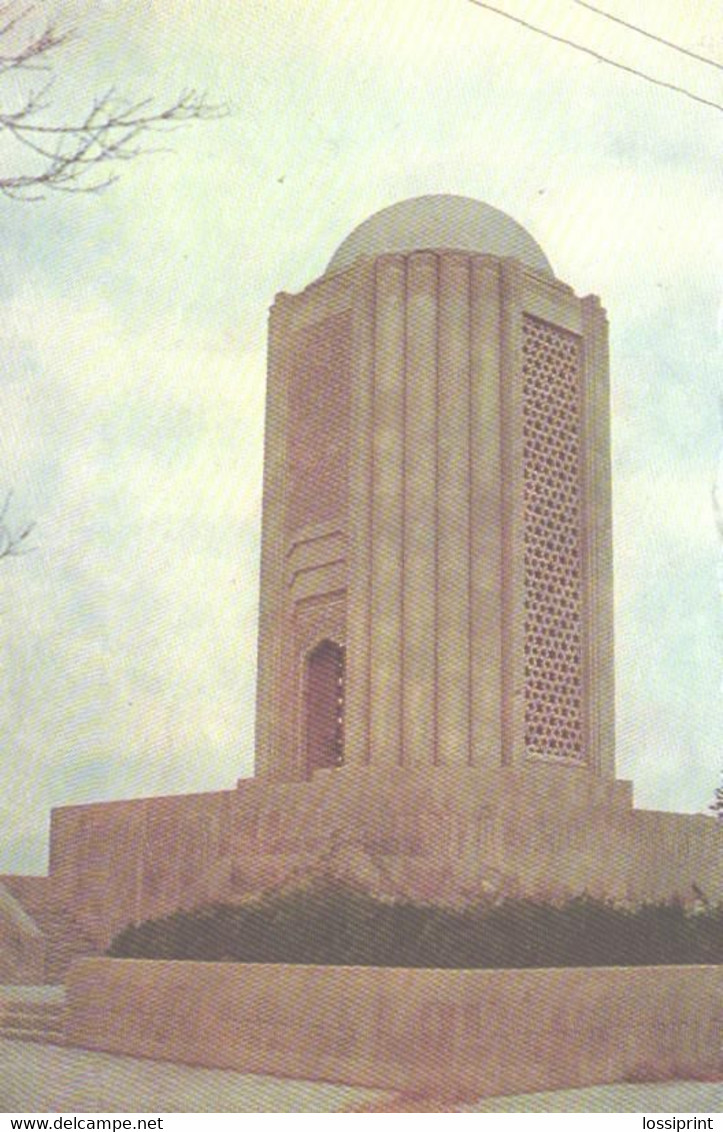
[(270, 758), (420, 478), (597, 544), (357, 704), (486, 516), (387, 512), (453, 516), (513, 533)]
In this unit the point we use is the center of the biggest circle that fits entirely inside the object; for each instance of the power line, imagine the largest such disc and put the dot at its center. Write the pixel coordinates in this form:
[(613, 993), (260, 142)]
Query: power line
[(596, 55), (651, 35)]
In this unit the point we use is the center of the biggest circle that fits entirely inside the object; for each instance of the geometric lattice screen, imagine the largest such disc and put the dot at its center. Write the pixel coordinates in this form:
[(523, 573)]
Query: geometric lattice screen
[(553, 567)]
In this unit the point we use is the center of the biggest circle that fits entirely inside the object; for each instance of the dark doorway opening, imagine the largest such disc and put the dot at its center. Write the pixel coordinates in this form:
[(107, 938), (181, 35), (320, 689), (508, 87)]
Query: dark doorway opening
[(325, 707)]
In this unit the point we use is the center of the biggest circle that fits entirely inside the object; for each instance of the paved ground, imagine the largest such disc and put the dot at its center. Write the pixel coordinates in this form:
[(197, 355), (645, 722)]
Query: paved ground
[(32, 994), (43, 1078), (703, 1098)]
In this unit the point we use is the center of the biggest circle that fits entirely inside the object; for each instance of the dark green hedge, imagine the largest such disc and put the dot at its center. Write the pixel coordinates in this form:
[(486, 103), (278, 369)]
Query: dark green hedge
[(334, 925)]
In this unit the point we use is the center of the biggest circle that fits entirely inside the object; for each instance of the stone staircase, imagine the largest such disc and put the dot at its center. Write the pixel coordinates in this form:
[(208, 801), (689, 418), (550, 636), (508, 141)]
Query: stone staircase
[(29, 1015)]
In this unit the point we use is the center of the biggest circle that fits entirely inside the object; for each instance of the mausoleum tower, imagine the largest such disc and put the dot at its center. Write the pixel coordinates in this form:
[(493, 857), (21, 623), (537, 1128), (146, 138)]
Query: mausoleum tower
[(436, 583)]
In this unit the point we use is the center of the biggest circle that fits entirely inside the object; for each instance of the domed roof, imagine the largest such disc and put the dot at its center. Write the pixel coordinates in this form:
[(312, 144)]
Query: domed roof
[(442, 221)]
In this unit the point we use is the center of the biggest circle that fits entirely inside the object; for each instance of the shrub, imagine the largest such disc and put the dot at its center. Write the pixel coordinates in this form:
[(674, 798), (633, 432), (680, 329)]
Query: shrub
[(332, 924)]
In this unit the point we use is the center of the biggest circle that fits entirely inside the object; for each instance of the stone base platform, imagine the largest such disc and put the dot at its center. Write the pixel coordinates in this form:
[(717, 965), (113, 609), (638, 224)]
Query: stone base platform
[(474, 1033), (449, 836)]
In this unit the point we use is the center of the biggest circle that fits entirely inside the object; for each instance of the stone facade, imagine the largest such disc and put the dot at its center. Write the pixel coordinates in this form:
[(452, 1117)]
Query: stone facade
[(437, 499), (433, 834), (435, 685)]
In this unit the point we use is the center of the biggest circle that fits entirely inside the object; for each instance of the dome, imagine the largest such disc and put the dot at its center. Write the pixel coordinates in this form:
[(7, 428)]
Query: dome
[(456, 223)]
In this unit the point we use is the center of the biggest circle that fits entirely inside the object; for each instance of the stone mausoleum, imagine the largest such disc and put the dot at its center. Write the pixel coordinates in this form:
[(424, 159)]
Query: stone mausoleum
[(435, 712)]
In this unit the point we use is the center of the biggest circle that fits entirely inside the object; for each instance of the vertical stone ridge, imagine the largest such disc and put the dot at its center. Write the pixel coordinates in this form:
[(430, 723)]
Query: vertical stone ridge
[(272, 590), (485, 515), (420, 540), (470, 519), (453, 511), (597, 541), (388, 432), (510, 386), (402, 379), (356, 738)]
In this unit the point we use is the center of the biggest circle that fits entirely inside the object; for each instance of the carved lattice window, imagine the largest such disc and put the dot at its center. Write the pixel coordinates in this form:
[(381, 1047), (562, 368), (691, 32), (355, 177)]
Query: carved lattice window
[(553, 569)]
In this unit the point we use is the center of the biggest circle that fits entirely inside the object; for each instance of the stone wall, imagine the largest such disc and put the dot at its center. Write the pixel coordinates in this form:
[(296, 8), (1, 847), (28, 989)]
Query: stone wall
[(22, 946), (117, 863), (30, 891), (446, 836), (479, 1032)]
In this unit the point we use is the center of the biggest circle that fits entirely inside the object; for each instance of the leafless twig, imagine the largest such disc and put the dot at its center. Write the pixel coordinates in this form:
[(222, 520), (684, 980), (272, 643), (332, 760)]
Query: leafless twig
[(13, 543), (77, 156)]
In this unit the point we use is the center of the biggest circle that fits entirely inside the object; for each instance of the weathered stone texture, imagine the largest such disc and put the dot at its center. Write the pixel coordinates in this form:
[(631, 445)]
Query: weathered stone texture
[(319, 436), (449, 835), (468, 533), (473, 1032), (22, 946)]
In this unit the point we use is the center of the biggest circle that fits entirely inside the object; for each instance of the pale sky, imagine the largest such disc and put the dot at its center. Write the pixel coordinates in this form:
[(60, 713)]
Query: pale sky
[(133, 356)]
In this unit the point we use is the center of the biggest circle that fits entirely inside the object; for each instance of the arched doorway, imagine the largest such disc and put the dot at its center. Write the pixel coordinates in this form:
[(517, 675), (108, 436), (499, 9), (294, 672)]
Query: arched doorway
[(325, 707)]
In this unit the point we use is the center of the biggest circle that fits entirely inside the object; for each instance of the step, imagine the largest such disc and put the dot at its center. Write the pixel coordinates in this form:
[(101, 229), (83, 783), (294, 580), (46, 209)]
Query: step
[(40, 1026), (33, 1020), (43, 1037), (24, 1022), (39, 1009)]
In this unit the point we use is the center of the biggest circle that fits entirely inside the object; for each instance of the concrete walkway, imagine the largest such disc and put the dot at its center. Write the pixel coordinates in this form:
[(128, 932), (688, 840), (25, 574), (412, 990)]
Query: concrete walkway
[(704, 1098), (32, 994), (43, 1078)]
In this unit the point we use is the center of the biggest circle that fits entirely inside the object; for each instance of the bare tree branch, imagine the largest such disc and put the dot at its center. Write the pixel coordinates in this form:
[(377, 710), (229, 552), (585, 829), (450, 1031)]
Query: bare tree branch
[(30, 50), (13, 544), (76, 156)]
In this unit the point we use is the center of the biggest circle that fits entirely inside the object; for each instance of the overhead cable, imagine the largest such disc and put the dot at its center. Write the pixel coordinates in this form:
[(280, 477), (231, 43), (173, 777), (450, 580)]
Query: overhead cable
[(597, 55), (651, 35)]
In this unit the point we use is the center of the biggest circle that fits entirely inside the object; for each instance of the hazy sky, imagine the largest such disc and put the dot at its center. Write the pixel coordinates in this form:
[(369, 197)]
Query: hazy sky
[(133, 355)]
